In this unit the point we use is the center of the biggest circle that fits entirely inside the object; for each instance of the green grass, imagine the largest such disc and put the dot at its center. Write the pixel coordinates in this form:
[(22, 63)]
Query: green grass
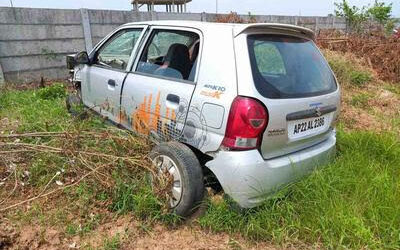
[(361, 100), (348, 71), (394, 88), (359, 78), (351, 203), (112, 243), (43, 110), (32, 112), (133, 196), (54, 91)]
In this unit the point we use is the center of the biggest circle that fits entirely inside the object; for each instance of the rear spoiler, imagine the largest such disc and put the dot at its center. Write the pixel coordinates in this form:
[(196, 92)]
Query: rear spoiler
[(275, 26)]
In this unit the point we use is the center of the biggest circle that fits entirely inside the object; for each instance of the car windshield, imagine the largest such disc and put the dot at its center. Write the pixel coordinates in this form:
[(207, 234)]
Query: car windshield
[(288, 67)]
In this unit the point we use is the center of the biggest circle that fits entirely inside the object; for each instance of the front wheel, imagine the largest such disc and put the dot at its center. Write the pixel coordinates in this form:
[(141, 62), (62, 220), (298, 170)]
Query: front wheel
[(188, 185)]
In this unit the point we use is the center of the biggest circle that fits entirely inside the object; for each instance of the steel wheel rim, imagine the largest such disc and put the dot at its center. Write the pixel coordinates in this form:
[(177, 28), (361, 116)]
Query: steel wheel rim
[(164, 163)]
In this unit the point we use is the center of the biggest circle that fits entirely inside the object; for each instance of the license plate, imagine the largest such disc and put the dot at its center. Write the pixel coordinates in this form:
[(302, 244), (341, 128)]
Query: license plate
[(308, 127)]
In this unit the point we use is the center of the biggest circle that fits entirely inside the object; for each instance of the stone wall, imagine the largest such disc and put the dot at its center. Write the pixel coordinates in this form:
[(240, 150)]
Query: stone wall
[(34, 42)]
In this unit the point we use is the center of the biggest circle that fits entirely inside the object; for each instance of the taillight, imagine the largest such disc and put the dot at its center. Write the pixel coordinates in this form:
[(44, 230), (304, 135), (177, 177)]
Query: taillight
[(247, 121)]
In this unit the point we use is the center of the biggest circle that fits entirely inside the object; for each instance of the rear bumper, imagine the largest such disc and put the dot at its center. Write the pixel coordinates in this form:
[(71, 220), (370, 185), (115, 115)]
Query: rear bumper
[(248, 179)]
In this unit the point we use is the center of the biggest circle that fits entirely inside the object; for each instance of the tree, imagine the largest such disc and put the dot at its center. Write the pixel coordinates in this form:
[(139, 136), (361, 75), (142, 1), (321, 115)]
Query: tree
[(355, 16), (381, 12)]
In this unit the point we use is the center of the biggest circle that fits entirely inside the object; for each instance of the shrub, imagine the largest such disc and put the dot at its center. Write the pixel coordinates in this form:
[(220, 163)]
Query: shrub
[(233, 17), (360, 100), (360, 78), (54, 91)]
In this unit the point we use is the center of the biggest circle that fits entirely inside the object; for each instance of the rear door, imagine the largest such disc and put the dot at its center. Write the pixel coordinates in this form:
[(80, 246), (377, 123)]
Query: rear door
[(102, 80), (158, 90), (291, 77)]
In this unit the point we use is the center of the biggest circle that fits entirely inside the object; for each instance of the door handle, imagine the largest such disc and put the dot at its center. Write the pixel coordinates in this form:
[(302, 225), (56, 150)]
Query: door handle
[(173, 98), (112, 83)]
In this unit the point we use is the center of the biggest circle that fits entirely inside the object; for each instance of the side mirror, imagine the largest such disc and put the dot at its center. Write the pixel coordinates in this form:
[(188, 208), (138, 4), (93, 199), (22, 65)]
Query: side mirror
[(82, 58)]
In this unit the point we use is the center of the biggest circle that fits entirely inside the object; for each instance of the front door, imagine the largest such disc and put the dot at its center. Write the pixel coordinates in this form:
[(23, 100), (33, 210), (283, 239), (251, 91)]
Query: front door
[(102, 80), (158, 91)]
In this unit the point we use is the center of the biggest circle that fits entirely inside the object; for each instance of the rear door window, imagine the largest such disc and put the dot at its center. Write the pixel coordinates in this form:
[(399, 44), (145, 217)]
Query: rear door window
[(171, 54), (288, 67), (268, 58)]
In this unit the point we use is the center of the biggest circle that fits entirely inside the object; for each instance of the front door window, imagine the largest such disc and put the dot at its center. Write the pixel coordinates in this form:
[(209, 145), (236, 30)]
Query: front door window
[(117, 51)]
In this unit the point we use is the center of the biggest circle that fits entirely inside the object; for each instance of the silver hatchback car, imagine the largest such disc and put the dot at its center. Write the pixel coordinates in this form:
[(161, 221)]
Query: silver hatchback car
[(251, 106)]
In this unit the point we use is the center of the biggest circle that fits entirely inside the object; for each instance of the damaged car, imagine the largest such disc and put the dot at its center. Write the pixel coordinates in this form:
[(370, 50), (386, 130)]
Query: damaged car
[(251, 106)]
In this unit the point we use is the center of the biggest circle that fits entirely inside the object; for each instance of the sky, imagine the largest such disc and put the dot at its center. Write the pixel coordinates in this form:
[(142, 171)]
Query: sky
[(255, 7)]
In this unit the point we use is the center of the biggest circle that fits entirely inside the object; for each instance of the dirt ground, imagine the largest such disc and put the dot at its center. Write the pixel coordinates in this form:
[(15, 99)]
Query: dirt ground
[(133, 234)]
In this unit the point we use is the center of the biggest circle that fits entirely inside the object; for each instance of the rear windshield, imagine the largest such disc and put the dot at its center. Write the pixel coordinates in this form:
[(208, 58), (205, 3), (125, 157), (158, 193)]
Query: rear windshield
[(288, 67)]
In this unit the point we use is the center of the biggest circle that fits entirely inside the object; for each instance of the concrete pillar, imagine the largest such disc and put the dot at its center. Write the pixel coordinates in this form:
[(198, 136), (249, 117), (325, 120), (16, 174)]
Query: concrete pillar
[(87, 32), (185, 8), (2, 81), (203, 17), (135, 6)]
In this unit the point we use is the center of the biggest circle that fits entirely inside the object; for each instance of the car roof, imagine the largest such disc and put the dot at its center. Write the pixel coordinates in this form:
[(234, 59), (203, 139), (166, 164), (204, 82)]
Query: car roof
[(238, 28)]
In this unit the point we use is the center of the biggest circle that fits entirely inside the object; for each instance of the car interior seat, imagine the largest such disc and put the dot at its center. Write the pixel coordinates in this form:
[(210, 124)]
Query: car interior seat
[(178, 58)]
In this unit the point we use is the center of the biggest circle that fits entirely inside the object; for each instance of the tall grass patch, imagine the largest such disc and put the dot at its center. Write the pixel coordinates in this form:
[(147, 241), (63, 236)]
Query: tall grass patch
[(348, 70), (352, 203), (50, 150)]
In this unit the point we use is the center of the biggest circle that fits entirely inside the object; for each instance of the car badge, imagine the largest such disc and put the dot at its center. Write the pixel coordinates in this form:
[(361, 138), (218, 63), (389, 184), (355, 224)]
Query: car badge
[(318, 111)]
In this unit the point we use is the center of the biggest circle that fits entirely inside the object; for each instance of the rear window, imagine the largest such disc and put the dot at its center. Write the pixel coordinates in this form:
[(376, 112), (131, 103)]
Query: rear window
[(288, 67)]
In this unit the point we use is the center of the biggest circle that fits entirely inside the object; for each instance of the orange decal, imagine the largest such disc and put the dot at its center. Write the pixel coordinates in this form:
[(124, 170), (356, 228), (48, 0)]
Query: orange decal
[(213, 94), (144, 120), (173, 115)]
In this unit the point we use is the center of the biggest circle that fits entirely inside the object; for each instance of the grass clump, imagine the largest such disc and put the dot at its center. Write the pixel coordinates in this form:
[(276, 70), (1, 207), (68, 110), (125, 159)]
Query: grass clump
[(137, 196), (32, 113), (348, 204), (348, 70), (394, 88), (359, 78), (54, 91), (360, 100), (112, 243)]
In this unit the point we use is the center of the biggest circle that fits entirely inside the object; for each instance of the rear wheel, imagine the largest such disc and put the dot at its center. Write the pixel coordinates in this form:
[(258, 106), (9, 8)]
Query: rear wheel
[(181, 163)]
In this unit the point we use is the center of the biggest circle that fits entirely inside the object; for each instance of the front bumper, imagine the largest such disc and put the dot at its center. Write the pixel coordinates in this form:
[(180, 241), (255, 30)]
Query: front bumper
[(248, 179)]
